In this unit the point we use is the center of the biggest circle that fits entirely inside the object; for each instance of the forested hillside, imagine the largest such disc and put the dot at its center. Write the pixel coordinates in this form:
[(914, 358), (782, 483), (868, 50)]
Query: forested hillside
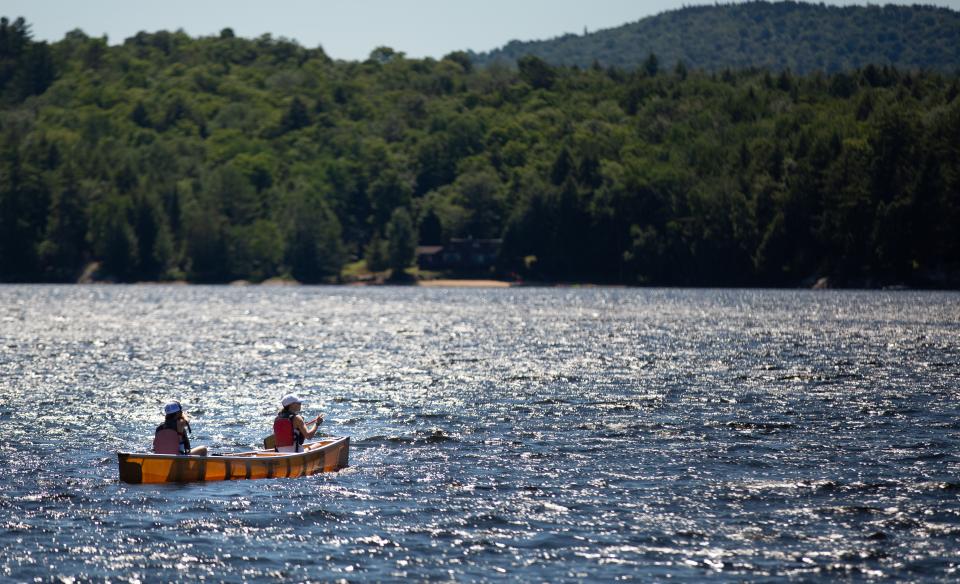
[(213, 159), (803, 37)]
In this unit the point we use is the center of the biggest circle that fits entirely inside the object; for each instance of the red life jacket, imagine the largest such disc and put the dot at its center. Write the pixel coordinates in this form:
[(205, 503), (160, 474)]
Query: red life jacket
[(166, 441), (284, 433)]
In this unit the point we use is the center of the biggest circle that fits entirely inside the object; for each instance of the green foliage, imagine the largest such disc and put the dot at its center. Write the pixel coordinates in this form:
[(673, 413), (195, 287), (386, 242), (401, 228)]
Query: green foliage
[(377, 254), (799, 36), (24, 197), (296, 116), (61, 252), (224, 158), (255, 250), (536, 72), (154, 241), (314, 248), (401, 240), (113, 238), (26, 67)]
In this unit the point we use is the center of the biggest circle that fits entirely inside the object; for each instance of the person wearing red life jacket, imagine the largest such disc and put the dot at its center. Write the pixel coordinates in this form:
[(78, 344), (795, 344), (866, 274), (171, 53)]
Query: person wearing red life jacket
[(171, 437), (289, 429)]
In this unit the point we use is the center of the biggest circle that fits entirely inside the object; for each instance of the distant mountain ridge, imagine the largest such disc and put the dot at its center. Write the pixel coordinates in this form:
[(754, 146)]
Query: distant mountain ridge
[(799, 36)]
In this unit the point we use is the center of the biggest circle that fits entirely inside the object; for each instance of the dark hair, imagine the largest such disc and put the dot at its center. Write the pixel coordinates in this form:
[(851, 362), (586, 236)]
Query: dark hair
[(171, 420)]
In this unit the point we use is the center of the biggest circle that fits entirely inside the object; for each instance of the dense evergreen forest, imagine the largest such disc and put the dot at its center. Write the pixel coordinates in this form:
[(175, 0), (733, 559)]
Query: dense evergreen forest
[(213, 159), (799, 36)]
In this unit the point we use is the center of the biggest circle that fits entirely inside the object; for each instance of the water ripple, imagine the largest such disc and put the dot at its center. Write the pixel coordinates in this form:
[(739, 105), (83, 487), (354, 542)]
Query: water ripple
[(526, 434)]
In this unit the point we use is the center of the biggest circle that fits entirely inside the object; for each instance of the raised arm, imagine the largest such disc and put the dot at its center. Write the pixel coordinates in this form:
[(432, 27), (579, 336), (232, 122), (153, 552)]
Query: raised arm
[(303, 427)]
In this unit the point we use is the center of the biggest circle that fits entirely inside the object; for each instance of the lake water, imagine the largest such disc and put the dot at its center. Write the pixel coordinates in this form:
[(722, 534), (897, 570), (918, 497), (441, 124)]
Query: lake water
[(511, 434)]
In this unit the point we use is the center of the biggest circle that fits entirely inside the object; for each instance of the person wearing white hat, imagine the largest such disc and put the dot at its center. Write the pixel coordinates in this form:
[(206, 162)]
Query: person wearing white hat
[(289, 429), (171, 437)]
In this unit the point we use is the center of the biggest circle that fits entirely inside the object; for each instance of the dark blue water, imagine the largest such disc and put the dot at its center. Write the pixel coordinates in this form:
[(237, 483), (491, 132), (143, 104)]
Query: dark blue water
[(520, 434)]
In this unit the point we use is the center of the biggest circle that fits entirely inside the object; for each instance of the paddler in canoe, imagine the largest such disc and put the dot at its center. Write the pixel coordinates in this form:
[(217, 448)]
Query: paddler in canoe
[(289, 429), (171, 437)]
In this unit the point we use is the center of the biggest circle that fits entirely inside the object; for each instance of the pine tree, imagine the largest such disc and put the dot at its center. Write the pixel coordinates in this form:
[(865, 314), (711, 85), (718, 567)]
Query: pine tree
[(296, 116), (401, 241)]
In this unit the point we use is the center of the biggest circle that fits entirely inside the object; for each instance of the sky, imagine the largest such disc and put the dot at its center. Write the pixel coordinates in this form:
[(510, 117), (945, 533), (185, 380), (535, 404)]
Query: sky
[(350, 29)]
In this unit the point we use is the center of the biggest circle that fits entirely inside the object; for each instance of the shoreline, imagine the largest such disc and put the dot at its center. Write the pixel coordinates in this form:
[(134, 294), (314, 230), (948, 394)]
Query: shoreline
[(479, 284), (453, 283)]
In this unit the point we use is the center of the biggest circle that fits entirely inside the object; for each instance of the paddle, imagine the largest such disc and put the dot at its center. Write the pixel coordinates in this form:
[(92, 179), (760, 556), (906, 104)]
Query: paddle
[(270, 442)]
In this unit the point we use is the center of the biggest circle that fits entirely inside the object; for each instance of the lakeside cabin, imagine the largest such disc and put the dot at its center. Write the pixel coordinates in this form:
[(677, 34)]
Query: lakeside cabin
[(460, 255)]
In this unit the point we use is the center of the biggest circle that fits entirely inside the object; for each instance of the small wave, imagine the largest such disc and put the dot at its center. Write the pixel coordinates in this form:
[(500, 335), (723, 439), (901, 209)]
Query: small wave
[(551, 401), (17, 527), (850, 510), (524, 377), (438, 436), (781, 485), (943, 486), (548, 541), (487, 519), (381, 440), (927, 456), (357, 400), (761, 426), (320, 513), (433, 416), (50, 497), (422, 437)]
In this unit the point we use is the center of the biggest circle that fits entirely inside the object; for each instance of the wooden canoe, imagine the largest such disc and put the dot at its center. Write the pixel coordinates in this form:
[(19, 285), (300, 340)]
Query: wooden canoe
[(326, 455)]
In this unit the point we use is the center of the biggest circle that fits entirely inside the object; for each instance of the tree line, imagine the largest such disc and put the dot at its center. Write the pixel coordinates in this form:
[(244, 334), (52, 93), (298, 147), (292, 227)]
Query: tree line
[(801, 36), (219, 158)]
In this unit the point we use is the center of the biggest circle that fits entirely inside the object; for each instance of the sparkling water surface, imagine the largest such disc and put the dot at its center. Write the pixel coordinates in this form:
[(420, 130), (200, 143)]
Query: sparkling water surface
[(509, 434)]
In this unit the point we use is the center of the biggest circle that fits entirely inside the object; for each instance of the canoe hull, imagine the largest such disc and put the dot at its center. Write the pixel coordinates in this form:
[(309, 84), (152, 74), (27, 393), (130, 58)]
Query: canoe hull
[(324, 456)]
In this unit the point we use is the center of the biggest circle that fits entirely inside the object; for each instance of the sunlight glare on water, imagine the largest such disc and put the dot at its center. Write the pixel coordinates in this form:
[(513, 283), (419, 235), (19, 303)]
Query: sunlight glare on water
[(538, 434)]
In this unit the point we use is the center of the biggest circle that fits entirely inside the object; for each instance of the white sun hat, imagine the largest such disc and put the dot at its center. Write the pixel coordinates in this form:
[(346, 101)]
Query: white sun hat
[(290, 399)]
